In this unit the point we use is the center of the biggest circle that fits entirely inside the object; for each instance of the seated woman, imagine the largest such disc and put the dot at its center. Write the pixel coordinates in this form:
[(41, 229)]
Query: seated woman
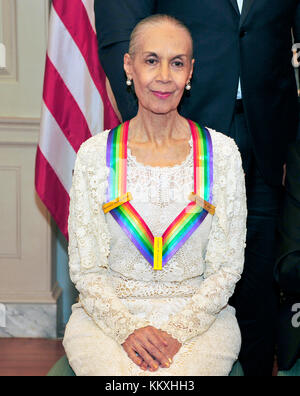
[(157, 229)]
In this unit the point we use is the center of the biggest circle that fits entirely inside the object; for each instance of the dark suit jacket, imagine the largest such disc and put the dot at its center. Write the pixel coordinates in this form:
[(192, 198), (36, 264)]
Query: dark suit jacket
[(288, 264), (287, 270), (255, 46)]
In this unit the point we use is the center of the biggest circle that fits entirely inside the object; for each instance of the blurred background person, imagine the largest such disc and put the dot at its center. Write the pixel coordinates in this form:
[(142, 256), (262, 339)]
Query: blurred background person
[(288, 264)]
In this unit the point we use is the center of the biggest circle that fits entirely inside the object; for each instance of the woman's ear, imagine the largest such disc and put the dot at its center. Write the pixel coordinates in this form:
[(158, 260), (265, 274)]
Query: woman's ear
[(128, 65), (192, 69)]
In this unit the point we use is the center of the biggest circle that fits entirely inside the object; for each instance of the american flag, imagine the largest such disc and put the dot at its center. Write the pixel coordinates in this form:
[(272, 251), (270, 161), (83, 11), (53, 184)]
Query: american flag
[(75, 102)]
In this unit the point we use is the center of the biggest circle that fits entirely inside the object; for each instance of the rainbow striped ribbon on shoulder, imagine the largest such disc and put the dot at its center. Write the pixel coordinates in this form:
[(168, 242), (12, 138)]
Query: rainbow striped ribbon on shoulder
[(157, 250)]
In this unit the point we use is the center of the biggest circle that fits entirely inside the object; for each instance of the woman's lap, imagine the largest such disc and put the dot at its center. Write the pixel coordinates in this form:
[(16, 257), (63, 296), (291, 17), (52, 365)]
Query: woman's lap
[(93, 353)]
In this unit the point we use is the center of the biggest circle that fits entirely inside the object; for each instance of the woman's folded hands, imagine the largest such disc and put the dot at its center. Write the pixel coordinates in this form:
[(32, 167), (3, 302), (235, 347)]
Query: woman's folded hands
[(151, 348)]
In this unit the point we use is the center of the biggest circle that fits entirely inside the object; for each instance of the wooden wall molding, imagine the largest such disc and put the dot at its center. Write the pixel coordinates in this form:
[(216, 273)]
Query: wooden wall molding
[(27, 258), (8, 35), (10, 243), (19, 131)]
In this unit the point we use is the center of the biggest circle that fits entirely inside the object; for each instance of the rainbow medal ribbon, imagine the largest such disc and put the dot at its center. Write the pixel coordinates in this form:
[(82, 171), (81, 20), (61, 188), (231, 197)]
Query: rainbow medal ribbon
[(159, 250)]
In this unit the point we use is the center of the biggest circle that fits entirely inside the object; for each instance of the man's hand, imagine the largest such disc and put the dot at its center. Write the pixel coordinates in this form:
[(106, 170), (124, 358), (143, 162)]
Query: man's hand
[(284, 175), (150, 348)]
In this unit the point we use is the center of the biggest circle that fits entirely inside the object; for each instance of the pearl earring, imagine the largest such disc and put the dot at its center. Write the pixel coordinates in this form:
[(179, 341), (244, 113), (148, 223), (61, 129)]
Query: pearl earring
[(128, 82), (188, 86)]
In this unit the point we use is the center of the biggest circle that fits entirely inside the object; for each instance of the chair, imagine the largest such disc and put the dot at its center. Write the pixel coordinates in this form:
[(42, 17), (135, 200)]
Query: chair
[(61, 369), (293, 372), (237, 370)]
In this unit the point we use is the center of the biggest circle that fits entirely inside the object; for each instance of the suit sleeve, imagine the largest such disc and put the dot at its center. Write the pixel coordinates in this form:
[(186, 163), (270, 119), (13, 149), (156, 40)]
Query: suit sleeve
[(296, 26), (296, 29), (115, 20), (287, 271)]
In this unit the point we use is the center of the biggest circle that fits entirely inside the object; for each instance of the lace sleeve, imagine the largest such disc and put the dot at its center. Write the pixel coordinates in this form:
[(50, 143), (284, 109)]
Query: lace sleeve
[(88, 251), (224, 257)]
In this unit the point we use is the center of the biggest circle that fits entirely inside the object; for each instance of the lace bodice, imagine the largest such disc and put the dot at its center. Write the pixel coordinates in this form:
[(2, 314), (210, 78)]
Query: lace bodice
[(159, 195), (161, 185), (112, 275)]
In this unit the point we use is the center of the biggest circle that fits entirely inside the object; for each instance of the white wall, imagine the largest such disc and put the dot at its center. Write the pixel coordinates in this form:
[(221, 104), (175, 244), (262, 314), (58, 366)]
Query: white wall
[(27, 273)]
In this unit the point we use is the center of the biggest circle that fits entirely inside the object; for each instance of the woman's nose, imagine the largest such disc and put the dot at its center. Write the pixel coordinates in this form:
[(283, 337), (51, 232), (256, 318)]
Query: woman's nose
[(164, 72)]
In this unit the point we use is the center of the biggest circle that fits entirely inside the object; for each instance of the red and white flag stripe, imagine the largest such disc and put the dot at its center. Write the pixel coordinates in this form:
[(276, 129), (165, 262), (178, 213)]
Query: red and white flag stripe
[(75, 102)]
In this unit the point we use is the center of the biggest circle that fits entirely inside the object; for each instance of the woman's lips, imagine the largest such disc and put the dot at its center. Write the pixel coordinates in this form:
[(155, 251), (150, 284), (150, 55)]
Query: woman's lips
[(162, 95)]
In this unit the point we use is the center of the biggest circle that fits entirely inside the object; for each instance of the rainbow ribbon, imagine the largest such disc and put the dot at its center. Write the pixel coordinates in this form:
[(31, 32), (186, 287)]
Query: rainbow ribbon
[(158, 250)]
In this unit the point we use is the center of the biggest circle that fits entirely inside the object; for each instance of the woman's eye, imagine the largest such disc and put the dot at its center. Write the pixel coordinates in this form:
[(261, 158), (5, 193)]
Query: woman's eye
[(178, 64), (151, 61)]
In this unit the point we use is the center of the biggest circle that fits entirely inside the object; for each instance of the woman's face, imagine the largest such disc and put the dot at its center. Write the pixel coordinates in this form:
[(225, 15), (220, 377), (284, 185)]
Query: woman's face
[(160, 67)]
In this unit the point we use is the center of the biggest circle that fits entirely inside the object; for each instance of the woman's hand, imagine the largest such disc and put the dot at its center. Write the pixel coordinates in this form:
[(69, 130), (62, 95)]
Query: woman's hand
[(173, 345), (147, 348), (150, 348)]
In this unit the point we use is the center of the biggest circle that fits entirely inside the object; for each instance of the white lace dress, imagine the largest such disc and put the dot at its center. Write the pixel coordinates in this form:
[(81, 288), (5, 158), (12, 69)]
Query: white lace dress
[(119, 290)]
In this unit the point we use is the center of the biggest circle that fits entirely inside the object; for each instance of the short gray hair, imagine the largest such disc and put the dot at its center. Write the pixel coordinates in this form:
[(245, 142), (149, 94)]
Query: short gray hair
[(155, 20)]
